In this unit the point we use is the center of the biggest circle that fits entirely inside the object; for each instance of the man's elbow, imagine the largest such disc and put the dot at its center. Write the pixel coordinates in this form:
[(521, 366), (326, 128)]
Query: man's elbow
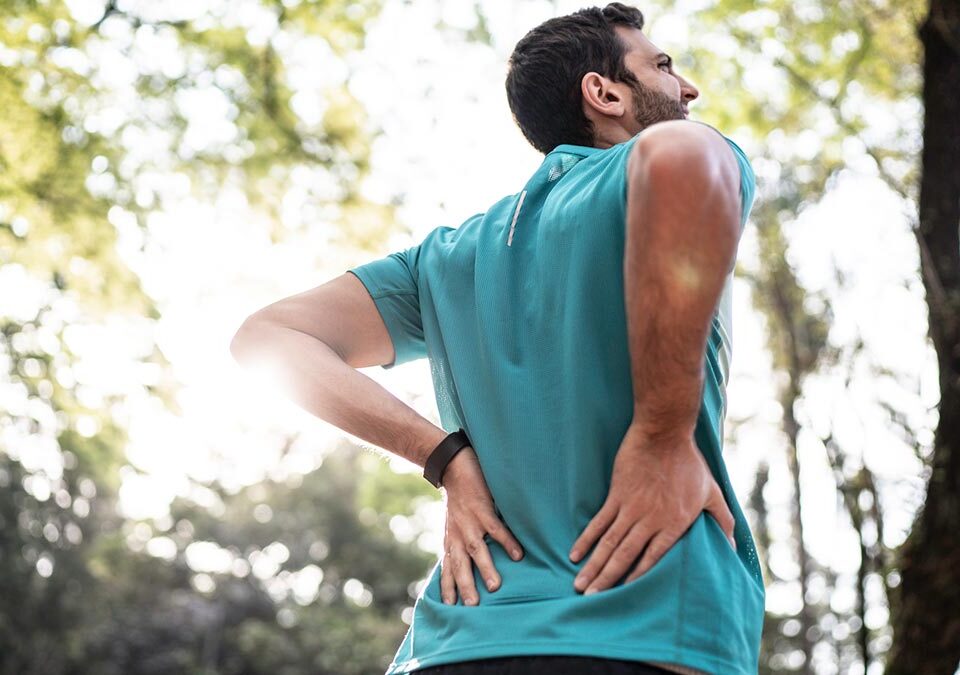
[(246, 339)]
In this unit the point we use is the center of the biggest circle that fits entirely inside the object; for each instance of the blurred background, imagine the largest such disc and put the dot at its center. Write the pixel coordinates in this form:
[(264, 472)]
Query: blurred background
[(169, 167)]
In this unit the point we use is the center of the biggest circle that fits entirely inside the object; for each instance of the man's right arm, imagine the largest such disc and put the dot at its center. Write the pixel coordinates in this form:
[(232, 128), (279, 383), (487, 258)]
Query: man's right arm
[(682, 231)]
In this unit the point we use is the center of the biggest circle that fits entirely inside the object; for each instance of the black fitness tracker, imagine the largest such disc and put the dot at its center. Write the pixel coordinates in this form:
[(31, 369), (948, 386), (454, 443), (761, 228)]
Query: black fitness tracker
[(442, 454)]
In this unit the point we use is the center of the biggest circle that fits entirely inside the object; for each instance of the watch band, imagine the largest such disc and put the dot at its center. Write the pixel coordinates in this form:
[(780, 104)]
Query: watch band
[(442, 454)]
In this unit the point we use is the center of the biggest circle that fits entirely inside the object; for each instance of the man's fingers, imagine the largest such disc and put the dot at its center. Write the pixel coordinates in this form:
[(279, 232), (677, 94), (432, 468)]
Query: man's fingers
[(462, 568), (594, 529), (481, 556), (504, 536), (605, 547), (657, 547), (448, 590), (620, 560)]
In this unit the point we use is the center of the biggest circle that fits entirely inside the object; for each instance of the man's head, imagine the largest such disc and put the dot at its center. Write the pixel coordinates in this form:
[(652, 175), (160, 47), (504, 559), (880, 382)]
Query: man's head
[(592, 78)]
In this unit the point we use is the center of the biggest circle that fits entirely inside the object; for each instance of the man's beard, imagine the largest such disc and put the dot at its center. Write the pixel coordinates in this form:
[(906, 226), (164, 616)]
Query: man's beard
[(652, 106)]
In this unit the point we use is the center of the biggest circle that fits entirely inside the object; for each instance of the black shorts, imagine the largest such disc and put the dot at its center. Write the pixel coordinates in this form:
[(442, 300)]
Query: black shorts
[(545, 664)]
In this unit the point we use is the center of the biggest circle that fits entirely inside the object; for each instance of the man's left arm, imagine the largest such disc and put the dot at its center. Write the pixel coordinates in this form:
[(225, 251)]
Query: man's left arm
[(315, 341)]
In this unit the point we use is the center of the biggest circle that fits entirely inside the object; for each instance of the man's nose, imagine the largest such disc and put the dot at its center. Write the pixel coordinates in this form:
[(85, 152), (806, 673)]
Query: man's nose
[(687, 91)]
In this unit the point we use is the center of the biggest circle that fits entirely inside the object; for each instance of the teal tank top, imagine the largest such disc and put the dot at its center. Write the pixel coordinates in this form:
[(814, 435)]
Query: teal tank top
[(520, 311)]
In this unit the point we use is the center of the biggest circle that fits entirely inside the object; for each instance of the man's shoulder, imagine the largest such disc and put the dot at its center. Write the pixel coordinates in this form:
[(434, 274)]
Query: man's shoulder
[(446, 234)]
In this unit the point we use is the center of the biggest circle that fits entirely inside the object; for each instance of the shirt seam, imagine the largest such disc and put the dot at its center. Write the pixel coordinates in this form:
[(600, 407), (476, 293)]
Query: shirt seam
[(387, 294), (376, 292)]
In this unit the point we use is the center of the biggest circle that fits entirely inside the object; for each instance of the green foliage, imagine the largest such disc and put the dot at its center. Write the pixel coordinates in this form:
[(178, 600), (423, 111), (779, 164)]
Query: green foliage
[(85, 591), (81, 590), (384, 491)]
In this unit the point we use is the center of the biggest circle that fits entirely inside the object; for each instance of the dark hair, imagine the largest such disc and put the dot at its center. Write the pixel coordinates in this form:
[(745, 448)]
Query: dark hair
[(548, 63)]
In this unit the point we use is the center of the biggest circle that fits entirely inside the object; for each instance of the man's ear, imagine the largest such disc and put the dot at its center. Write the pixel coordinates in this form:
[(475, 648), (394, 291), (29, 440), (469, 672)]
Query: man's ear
[(602, 95)]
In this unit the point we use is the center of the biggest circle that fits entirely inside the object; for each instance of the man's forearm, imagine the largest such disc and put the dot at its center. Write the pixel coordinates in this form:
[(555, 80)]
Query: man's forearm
[(681, 237), (322, 384)]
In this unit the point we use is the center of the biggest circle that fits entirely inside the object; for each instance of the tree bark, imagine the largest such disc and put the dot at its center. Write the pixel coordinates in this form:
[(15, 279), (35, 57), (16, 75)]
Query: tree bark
[(926, 618), (792, 429)]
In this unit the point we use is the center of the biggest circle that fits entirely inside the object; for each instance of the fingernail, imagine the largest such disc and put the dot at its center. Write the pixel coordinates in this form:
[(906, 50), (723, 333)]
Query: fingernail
[(578, 583), (574, 555), (515, 554), (491, 583), (590, 590)]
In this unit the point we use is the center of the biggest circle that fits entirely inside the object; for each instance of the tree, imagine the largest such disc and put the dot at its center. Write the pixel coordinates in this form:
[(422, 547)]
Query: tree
[(926, 622), (92, 119)]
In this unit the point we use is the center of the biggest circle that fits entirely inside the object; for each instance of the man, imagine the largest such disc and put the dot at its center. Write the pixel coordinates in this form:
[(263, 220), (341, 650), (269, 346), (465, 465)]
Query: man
[(579, 334)]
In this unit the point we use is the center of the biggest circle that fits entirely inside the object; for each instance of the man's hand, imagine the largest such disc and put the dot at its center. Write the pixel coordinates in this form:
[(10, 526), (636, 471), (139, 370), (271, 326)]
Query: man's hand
[(658, 488), (470, 515)]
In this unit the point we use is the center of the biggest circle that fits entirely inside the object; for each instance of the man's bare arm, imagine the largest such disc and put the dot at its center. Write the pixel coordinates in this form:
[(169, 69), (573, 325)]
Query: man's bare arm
[(682, 230), (315, 340), (681, 234)]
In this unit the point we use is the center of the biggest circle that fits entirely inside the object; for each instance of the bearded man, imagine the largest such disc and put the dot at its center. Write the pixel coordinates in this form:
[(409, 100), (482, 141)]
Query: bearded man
[(579, 338)]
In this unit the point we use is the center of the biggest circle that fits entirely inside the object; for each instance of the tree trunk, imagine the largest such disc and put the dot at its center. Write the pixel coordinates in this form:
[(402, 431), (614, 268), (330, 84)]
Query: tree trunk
[(792, 428), (926, 607)]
